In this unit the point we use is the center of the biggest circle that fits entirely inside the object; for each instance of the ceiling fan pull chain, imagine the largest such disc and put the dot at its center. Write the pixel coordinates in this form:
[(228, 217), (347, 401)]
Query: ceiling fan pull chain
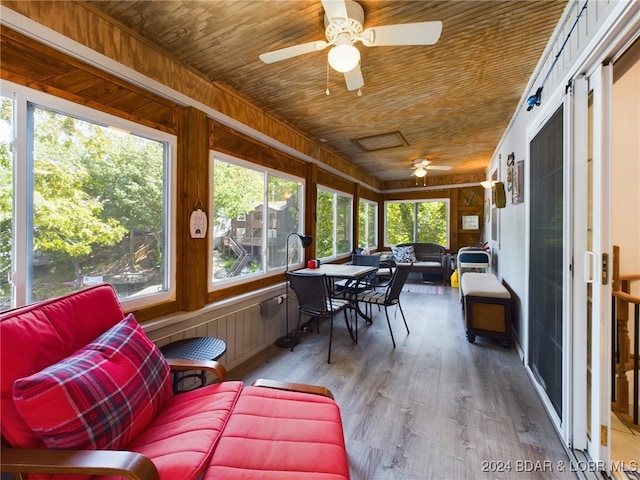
[(359, 92), (327, 90)]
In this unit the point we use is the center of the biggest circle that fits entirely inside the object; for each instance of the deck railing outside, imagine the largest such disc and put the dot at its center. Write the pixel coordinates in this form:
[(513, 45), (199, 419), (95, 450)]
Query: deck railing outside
[(625, 358)]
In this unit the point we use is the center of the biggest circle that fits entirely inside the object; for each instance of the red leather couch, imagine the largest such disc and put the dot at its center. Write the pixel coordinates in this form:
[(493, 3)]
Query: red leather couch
[(83, 390)]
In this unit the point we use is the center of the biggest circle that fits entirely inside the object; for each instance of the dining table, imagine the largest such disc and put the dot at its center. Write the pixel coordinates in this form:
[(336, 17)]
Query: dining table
[(339, 271)]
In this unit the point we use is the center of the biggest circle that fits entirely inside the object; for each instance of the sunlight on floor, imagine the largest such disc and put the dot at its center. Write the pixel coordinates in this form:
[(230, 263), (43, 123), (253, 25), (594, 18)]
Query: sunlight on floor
[(625, 445)]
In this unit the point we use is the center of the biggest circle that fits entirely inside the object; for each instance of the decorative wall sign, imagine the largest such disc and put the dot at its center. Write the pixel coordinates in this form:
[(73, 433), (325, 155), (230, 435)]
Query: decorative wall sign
[(517, 194), (470, 222), (515, 177)]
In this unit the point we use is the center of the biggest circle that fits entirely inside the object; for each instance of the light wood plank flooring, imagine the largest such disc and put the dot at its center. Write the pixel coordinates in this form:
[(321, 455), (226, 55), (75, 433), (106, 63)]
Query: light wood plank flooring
[(436, 407)]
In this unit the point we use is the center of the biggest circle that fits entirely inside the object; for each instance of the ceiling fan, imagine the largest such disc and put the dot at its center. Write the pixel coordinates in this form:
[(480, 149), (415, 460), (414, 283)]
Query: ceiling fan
[(422, 165), (343, 21)]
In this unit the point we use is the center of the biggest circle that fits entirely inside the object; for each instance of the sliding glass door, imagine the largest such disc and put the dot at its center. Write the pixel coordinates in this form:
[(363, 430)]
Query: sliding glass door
[(547, 265), (591, 295)]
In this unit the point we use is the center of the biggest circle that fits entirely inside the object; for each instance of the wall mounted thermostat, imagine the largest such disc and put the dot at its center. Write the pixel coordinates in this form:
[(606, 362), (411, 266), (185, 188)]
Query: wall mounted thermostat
[(198, 224)]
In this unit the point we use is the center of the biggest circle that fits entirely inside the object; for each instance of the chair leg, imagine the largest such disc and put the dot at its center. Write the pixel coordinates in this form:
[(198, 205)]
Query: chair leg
[(297, 326), (386, 311), (350, 328), (330, 339), (403, 318)]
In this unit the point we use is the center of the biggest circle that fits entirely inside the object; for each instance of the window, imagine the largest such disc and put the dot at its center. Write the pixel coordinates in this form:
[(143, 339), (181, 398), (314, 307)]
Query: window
[(333, 231), (417, 221), (88, 204), (368, 224), (252, 193), (6, 200)]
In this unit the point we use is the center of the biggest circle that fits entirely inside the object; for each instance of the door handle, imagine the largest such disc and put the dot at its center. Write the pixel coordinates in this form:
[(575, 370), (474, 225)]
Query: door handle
[(589, 267)]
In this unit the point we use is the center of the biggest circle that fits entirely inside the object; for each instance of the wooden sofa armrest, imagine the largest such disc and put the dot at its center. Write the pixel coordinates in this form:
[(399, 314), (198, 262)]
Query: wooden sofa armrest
[(134, 466), (293, 387), (179, 364)]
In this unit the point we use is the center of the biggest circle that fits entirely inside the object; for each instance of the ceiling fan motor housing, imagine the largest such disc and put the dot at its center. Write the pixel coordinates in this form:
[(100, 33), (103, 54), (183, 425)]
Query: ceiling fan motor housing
[(352, 26)]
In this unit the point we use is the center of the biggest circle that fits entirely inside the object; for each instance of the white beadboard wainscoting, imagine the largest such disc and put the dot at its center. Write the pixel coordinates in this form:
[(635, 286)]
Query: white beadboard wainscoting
[(237, 321)]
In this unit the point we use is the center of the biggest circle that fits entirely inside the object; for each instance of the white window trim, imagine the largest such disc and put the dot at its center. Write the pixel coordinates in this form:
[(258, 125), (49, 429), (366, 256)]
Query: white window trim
[(373, 205), (267, 272)]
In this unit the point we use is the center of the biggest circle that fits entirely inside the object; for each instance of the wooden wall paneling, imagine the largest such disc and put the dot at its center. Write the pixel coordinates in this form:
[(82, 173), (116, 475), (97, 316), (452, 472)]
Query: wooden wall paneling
[(453, 222), (193, 188), (32, 64), (470, 202), (355, 211), (88, 26), (368, 194), (335, 182), (311, 209), (227, 140), (435, 181), (418, 194)]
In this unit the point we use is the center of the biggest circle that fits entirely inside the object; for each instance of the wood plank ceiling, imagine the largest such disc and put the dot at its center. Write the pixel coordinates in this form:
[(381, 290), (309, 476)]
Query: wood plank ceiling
[(450, 102)]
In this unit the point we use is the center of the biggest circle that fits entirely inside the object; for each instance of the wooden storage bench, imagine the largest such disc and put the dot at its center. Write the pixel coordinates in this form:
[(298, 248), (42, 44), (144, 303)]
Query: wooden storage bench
[(487, 307)]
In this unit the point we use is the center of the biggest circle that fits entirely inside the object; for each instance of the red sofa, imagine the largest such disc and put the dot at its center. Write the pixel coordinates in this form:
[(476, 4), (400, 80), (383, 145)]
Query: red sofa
[(84, 391)]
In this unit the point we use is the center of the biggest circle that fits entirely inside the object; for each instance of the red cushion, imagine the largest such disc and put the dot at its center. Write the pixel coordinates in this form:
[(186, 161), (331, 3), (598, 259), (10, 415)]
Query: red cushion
[(52, 330), (284, 435), (100, 397), (181, 439)]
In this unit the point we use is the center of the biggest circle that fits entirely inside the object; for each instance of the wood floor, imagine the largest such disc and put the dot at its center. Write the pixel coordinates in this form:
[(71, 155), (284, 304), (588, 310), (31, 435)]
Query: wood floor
[(436, 407)]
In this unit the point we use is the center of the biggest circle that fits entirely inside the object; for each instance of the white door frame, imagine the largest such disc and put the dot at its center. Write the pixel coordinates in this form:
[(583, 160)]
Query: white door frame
[(589, 265)]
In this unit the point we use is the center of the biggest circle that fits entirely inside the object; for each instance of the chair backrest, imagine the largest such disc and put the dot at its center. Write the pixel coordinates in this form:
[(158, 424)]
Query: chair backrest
[(397, 282), (367, 261), (472, 257), (312, 292)]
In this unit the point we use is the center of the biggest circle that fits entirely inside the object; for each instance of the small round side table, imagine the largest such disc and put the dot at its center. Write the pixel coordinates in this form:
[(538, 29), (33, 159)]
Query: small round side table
[(197, 348)]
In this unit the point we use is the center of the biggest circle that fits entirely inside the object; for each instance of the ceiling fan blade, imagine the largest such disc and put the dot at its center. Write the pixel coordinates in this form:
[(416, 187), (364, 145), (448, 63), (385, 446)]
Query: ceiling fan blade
[(335, 9), (438, 167), (421, 33), (294, 51), (353, 78)]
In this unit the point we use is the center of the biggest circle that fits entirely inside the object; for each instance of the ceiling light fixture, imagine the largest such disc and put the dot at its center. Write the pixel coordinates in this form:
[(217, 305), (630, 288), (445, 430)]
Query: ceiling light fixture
[(344, 56), (420, 172)]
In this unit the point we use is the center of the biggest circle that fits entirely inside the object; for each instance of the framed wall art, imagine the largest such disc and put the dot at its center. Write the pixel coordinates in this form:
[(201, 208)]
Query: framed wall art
[(470, 222)]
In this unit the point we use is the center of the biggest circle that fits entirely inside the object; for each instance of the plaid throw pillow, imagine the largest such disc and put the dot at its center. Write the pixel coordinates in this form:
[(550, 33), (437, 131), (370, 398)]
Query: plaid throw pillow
[(100, 397)]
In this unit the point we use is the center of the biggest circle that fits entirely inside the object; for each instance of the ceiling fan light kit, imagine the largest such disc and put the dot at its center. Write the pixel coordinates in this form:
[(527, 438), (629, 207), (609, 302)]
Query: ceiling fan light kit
[(420, 172), (344, 57), (343, 21), (421, 167)]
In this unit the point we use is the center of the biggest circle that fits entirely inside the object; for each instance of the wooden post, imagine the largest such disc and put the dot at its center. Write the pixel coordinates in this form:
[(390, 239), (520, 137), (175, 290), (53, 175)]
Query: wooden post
[(193, 191)]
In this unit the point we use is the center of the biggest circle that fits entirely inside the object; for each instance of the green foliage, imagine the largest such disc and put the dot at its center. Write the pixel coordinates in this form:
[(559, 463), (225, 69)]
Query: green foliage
[(133, 168), (324, 228), (428, 219), (432, 222), (399, 216), (236, 191), (68, 220), (6, 194), (343, 224)]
